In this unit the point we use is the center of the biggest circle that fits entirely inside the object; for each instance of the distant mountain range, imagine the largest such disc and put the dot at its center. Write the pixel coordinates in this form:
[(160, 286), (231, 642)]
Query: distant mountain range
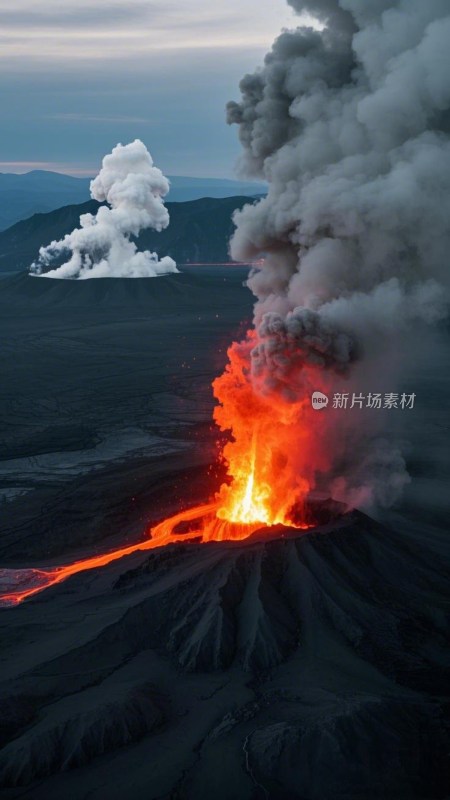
[(199, 231), (42, 191)]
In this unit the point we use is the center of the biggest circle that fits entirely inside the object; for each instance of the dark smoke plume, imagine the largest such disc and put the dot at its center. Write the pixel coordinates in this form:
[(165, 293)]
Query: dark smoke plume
[(350, 127)]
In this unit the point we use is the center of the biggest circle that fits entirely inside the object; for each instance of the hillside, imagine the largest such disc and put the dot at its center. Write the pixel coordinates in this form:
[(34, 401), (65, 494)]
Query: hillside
[(40, 191), (199, 231), (280, 661)]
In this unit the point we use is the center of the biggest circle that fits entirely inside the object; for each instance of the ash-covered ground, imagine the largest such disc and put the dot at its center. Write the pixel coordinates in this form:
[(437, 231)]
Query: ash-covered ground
[(106, 401), (305, 668)]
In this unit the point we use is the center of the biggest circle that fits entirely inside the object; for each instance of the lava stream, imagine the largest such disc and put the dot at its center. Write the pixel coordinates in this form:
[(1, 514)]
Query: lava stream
[(18, 585), (271, 459)]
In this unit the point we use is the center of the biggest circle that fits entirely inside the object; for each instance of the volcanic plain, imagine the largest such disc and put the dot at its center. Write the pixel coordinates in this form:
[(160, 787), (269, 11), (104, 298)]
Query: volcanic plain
[(305, 667)]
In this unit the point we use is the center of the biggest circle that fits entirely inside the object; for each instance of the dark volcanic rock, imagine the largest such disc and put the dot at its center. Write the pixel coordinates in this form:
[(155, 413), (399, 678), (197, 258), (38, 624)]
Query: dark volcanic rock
[(251, 603), (404, 744), (302, 667), (88, 730), (106, 403)]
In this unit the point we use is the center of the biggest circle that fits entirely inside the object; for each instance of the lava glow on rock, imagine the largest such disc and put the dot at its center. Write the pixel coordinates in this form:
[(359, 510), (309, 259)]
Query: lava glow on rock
[(269, 463)]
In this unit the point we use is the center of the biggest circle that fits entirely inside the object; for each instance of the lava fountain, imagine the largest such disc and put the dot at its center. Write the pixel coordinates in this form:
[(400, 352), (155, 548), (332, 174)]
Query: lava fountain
[(265, 486)]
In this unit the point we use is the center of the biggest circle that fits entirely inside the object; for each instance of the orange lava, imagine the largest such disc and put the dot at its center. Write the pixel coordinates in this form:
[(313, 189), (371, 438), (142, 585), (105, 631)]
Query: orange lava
[(39, 579), (274, 453), (206, 527), (271, 459)]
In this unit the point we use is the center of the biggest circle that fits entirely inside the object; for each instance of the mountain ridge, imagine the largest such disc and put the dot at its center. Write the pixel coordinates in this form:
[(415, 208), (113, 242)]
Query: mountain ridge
[(199, 231), (41, 191)]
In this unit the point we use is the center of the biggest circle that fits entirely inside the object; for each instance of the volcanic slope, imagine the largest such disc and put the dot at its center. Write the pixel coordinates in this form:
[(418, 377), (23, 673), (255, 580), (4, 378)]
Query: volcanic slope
[(309, 666)]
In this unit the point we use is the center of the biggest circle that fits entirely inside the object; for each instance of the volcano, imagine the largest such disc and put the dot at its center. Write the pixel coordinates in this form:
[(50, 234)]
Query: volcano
[(233, 669), (199, 523), (299, 662)]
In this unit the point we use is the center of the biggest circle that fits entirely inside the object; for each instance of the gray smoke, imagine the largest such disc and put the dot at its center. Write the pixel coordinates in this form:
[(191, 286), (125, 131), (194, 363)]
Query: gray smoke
[(101, 247), (350, 127), (288, 344)]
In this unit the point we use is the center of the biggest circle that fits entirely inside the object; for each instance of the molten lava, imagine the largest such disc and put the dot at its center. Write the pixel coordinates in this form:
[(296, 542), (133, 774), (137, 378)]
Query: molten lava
[(274, 452), (270, 458)]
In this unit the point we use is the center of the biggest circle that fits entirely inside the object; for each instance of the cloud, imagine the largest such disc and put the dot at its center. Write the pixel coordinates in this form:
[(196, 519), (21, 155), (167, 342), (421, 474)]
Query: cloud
[(19, 167), (50, 17), (81, 117), (104, 30), (82, 87)]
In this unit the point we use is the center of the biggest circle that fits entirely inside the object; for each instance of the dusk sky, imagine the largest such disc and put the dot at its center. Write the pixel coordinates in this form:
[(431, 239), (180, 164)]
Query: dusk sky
[(78, 77)]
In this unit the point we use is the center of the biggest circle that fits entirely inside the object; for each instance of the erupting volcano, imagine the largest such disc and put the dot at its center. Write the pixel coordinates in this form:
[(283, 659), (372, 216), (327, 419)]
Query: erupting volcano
[(265, 488), (346, 257), (272, 643)]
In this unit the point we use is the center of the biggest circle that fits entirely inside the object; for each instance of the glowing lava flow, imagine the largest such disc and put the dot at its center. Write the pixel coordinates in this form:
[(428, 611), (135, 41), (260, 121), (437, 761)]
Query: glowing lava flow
[(35, 580), (206, 527), (270, 459)]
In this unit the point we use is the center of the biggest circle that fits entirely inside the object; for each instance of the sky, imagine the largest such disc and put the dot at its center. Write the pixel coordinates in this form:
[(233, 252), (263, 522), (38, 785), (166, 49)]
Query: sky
[(78, 76)]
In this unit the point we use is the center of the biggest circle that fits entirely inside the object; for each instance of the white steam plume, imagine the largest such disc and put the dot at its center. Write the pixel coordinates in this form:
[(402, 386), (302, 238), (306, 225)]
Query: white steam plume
[(101, 247), (350, 127)]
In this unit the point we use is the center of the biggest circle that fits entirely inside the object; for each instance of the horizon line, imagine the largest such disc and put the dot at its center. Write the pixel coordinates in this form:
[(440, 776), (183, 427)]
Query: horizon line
[(26, 167)]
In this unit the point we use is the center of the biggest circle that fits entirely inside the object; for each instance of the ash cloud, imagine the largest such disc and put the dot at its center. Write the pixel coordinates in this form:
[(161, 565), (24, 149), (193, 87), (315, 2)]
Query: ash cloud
[(101, 247), (350, 127), (286, 345)]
